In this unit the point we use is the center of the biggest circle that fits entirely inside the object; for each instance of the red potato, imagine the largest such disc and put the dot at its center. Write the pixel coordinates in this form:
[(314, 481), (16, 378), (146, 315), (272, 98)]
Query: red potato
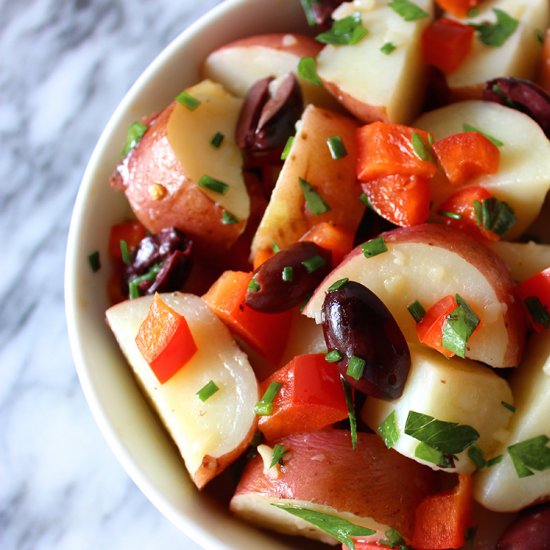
[(427, 262), (239, 64), (370, 486), (160, 176)]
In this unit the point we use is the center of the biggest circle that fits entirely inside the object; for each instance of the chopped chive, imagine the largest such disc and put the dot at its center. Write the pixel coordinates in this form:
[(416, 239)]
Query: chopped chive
[(356, 366), (314, 201), (431, 138), (476, 456), (212, 184), (279, 452), (420, 148), (408, 10), (288, 147), (344, 32), (365, 200), (388, 48), (288, 274), (314, 263), (539, 36), (393, 540), (275, 247), (228, 218), (495, 460), (469, 128), (336, 147), (477, 212), (337, 285), (133, 284), (309, 11), (134, 134), (253, 285), (217, 140), (94, 261), (507, 406), (351, 412), (416, 310), (264, 407), (451, 215), (124, 252), (374, 247), (307, 70), (207, 391), (538, 311), (333, 356), (389, 430), (496, 216), (187, 100)]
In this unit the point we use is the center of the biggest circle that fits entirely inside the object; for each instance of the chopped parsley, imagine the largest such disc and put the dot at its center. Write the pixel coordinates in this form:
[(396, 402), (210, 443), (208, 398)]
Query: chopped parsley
[(228, 218), (336, 147), (217, 140), (495, 34), (253, 285), (264, 407), (187, 100), (469, 128), (307, 70), (433, 456), (344, 32), (374, 247), (389, 430), (212, 184), (207, 391), (314, 201), (388, 48), (135, 133), (529, 455), (458, 327), (408, 10), (288, 274), (538, 311), (416, 309), (494, 215), (94, 261), (279, 452), (393, 539), (420, 147)]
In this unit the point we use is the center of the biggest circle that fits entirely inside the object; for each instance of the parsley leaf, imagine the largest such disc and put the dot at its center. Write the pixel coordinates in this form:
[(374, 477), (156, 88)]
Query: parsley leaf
[(495, 34), (538, 311), (393, 539), (496, 216), (531, 454), (279, 452), (429, 454), (307, 70), (339, 528), (344, 32), (389, 430), (408, 10), (445, 437), (420, 148), (458, 327), (314, 201)]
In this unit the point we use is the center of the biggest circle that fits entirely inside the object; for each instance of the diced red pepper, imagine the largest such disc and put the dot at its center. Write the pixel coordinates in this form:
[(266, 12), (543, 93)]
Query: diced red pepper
[(336, 239), (386, 149), (310, 399), (537, 286), (430, 328), (441, 520), (266, 333), (466, 156), (458, 8), (402, 200), (131, 231), (165, 340), (446, 43), (461, 204)]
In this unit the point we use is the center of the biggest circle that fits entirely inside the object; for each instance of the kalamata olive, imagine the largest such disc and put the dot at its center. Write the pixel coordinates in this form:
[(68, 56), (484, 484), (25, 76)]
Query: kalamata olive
[(318, 12), (287, 278), (530, 531), (265, 121), (169, 249), (360, 327), (523, 95)]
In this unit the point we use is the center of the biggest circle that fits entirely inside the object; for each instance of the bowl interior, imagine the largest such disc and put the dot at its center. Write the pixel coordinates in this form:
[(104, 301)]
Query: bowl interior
[(122, 413)]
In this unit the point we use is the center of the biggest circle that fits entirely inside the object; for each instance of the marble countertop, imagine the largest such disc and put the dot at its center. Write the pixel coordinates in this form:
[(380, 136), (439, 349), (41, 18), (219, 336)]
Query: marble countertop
[(64, 67)]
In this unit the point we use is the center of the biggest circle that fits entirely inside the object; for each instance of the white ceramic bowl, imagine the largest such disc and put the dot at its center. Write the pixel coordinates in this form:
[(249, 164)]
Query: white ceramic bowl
[(126, 420)]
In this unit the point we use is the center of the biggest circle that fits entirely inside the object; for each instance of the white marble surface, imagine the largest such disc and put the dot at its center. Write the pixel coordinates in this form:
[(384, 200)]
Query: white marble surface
[(64, 66)]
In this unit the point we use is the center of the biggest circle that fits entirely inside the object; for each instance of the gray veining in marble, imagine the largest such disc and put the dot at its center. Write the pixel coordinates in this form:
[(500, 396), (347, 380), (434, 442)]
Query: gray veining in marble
[(64, 66)]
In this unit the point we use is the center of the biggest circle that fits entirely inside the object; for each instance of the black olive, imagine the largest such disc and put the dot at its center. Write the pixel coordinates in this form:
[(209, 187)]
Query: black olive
[(530, 531)]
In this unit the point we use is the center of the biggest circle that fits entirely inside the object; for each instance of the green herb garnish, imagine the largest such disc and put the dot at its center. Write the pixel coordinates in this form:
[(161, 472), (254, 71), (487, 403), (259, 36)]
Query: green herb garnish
[(450, 215), (94, 261), (135, 133), (476, 456), (253, 285), (538, 311), (420, 147), (314, 201), (336, 147), (307, 70), (125, 254), (356, 366), (458, 327), (351, 412), (333, 356), (133, 284), (393, 540), (495, 460), (217, 140), (288, 273), (416, 309), (344, 32), (314, 263), (469, 128), (187, 100), (337, 285), (508, 407), (495, 34), (307, 6), (531, 454), (279, 452), (433, 456), (288, 146), (473, 12), (408, 10), (207, 391), (388, 48), (275, 247), (339, 528), (374, 247), (389, 430), (228, 218), (212, 184), (494, 215), (264, 407), (539, 36)]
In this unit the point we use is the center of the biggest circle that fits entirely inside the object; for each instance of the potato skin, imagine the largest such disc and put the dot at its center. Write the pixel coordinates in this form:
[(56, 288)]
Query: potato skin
[(183, 205)]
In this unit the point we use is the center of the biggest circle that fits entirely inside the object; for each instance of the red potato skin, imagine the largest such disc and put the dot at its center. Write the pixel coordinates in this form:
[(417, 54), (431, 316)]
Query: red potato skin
[(184, 206), (323, 468)]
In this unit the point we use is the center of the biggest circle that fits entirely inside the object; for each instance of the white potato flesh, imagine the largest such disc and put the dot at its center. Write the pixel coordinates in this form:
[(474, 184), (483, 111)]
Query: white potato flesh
[(523, 259), (379, 86), (419, 271), (517, 57), (212, 428), (189, 133), (499, 488), (523, 177), (451, 390), (259, 509)]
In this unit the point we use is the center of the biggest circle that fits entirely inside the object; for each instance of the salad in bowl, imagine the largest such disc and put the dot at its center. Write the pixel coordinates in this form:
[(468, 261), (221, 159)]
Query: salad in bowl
[(324, 265)]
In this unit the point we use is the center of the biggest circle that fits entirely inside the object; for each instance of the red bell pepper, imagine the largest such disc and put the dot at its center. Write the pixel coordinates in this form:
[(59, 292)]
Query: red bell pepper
[(441, 520), (131, 232), (458, 8), (387, 149), (334, 238), (430, 328), (165, 340), (537, 288), (266, 333), (446, 43), (403, 200), (466, 156), (310, 399)]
